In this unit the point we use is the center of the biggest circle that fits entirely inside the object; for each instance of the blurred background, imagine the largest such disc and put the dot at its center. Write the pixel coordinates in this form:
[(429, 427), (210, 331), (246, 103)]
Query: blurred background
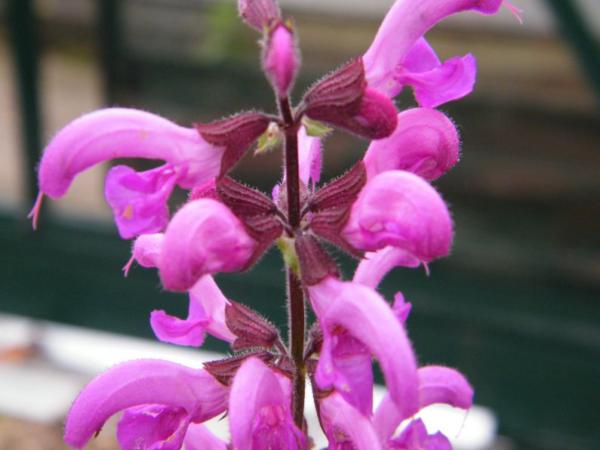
[(517, 305)]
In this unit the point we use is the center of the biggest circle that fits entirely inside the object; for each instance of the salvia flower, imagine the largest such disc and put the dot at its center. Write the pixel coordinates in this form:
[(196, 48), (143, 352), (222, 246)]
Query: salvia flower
[(383, 211)]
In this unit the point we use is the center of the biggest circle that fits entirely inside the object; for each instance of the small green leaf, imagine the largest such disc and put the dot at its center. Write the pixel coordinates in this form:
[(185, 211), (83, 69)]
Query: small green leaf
[(288, 252), (315, 128), (269, 140)]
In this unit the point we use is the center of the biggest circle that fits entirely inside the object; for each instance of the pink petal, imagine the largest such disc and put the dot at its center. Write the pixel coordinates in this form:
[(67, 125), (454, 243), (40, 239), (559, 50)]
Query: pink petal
[(152, 427), (125, 133), (375, 266), (345, 364), (345, 426), (439, 384), (140, 382), (198, 437), (147, 248), (259, 410), (452, 80), (310, 156), (425, 142), (416, 437), (206, 314), (365, 315), (405, 23), (280, 59), (174, 330), (139, 200), (401, 307), (400, 209), (203, 237)]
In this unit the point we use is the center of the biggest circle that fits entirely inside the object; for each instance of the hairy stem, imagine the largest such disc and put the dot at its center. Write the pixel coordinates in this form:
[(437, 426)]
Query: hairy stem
[(296, 310)]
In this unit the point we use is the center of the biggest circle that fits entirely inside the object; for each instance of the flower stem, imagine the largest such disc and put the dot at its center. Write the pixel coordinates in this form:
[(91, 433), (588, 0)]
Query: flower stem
[(296, 310)]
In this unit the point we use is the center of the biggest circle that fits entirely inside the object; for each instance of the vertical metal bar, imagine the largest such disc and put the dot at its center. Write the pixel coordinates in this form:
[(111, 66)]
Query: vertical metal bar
[(25, 52), (585, 45)]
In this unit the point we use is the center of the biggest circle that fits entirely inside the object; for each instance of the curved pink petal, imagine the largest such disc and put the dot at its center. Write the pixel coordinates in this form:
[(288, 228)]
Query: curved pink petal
[(375, 266), (152, 427), (140, 382), (364, 314), (402, 210), (439, 384), (345, 426), (453, 79), (171, 329), (425, 142), (416, 437), (203, 237), (436, 385), (405, 23), (139, 199), (206, 314), (198, 437), (259, 410), (310, 157), (125, 133)]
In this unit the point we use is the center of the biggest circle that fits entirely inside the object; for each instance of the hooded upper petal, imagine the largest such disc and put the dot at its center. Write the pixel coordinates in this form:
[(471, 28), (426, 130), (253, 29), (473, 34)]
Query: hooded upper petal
[(404, 24), (425, 142), (438, 384), (203, 237), (125, 133), (402, 210), (345, 426), (146, 249), (143, 382), (363, 314), (259, 410)]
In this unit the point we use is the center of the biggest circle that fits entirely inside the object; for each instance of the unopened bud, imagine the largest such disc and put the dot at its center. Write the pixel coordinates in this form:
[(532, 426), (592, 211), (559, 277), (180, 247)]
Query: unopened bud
[(280, 58), (258, 14)]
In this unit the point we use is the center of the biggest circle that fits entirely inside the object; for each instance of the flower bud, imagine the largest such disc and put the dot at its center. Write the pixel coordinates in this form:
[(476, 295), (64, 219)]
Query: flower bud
[(258, 13), (280, 59)]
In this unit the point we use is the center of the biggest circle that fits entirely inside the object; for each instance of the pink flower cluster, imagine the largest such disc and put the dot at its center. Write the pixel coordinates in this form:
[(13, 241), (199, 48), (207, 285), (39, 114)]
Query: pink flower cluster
[(383, 211)]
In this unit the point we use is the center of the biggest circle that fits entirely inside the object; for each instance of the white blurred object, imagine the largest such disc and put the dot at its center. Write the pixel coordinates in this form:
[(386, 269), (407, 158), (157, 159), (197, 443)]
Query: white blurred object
[(68, 356)]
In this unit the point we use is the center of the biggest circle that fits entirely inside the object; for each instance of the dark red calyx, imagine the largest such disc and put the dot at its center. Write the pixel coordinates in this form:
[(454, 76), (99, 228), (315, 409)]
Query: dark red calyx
[(224, 369), (337, 93), (315, 262), (250, 327), (343, 99), (331, 205), (235, 133), (256, 211), (315, 340)]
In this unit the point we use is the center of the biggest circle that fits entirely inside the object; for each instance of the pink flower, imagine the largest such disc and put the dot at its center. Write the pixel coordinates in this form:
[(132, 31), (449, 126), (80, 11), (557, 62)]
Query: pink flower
[(258, 14), (167, 397), (401, 210), (399, 55), (259, 410), (357, 323), (138, 199), (425, 142), (203, 237)]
